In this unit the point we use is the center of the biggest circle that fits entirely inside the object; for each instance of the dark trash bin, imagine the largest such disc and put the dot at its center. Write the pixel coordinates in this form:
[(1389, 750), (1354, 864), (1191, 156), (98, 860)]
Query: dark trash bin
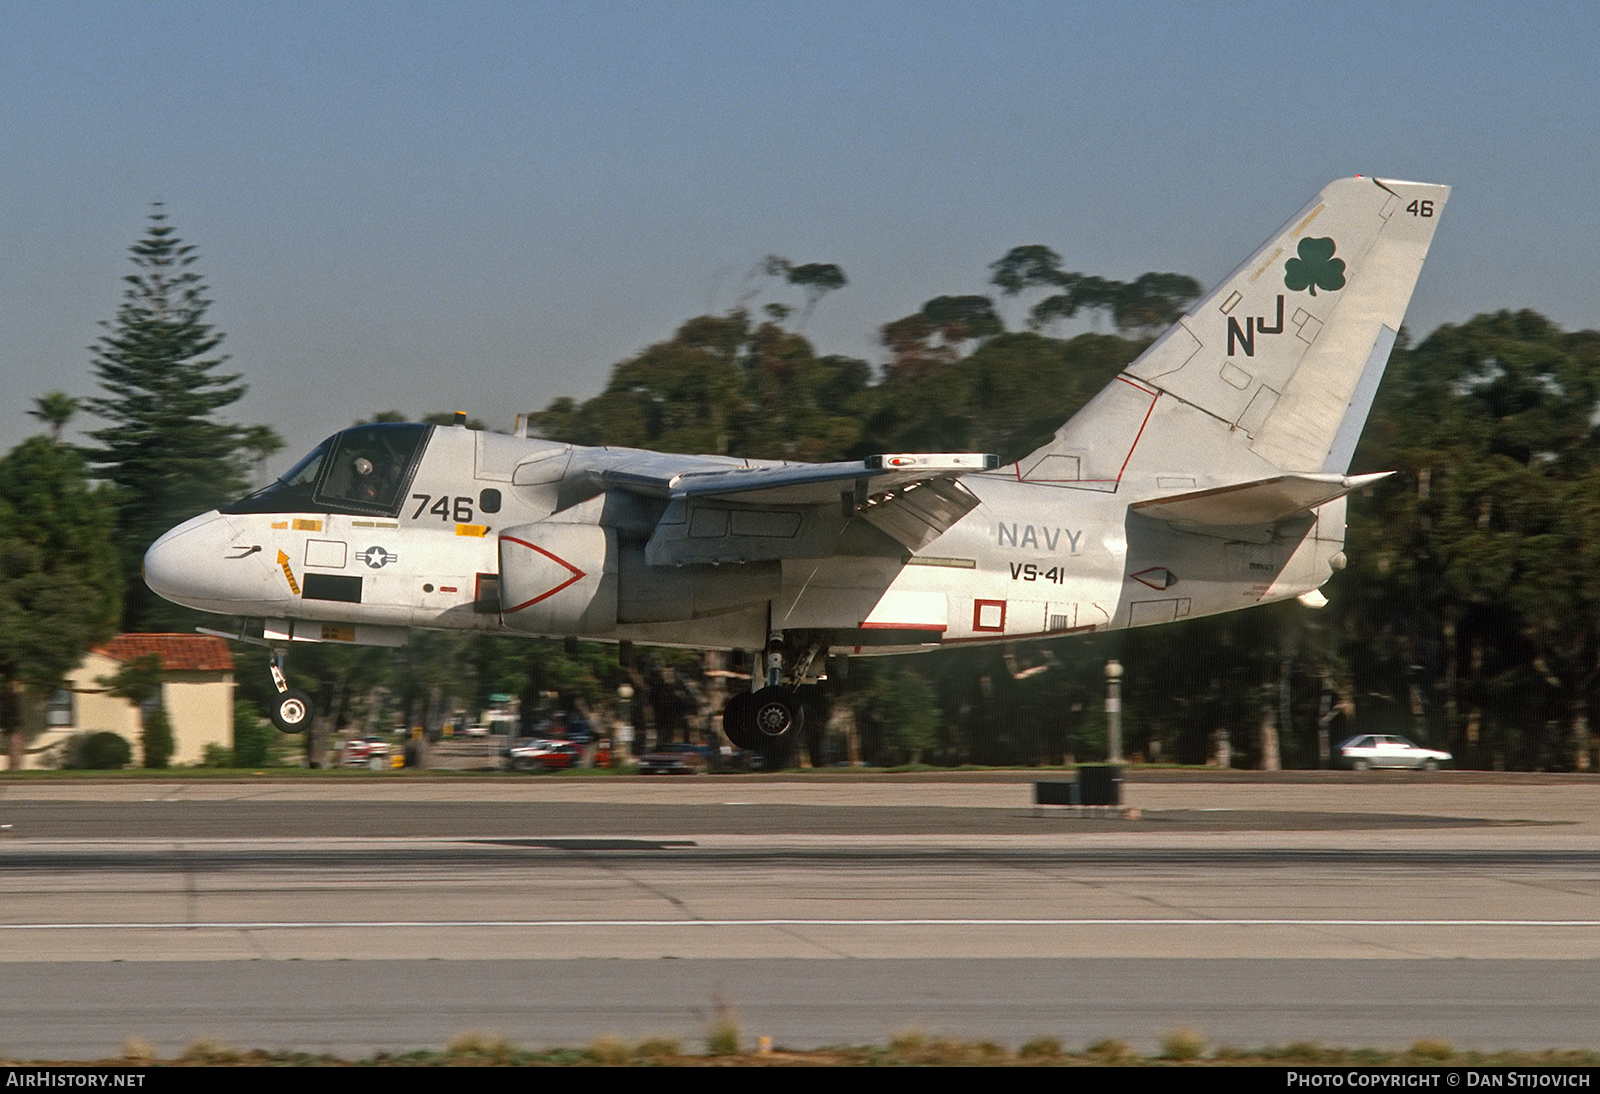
[(1055, 793), (1100, 784)]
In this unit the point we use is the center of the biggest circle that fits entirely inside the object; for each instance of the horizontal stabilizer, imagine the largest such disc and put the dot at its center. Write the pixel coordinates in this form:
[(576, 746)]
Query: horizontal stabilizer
[(1264, 501)]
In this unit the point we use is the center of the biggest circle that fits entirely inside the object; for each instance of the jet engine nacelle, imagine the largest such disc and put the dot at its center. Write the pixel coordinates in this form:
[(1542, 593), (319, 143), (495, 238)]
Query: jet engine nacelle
[(558, 579)]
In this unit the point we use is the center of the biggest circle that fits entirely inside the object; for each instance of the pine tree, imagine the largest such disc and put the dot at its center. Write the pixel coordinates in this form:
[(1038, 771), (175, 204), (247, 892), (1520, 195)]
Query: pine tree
[(164, 451)]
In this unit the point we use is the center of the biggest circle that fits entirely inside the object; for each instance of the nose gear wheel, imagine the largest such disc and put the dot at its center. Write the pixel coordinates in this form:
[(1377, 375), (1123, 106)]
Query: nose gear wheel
[(291, 711)]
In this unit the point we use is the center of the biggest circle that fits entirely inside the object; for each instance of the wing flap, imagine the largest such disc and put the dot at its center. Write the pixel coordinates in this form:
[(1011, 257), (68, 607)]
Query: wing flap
[(918, 514), (777, 511)]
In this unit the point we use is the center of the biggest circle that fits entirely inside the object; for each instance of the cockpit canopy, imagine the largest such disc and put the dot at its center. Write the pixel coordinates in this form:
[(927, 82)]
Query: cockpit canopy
[(362, 471)]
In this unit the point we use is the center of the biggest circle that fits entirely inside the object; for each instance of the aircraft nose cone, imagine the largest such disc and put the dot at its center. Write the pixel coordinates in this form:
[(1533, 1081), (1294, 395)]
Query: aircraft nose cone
[(204, 563)]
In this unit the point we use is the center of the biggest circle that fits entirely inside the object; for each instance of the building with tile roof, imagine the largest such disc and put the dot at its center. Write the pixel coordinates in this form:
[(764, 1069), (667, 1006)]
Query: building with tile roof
[(196, 690)]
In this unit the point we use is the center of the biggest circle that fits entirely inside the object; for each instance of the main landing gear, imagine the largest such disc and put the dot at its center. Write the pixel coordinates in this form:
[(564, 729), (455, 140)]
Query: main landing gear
[(756, 720), (291, 709), (760, 720)]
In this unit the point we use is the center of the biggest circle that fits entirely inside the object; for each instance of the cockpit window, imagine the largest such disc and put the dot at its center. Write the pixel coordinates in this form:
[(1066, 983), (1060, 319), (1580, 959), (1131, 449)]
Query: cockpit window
[(364, 471), (370, 466), (302, 477)]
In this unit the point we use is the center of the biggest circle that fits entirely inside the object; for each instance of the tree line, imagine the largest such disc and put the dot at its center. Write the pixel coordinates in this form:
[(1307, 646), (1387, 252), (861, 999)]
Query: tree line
[(1469, 616)]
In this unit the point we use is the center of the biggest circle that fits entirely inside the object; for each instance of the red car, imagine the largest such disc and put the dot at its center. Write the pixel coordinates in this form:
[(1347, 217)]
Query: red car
[(540, 754)]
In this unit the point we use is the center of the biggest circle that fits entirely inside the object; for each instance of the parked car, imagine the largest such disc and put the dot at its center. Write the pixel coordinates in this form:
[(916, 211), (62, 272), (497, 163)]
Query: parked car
[(675, 759), (561, 728), (539, 754), (1388, 750), (366, 752)]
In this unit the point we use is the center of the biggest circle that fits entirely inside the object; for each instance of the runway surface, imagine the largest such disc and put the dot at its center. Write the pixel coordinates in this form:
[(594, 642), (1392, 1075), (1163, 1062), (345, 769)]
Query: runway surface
[(383, 912)]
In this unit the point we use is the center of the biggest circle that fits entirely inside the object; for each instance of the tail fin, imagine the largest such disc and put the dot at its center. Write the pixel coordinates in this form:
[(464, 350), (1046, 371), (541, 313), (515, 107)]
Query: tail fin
[(1274, 369)]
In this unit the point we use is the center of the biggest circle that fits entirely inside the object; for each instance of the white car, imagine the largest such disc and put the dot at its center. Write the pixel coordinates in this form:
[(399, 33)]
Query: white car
[(372, 752), (1387, 750)]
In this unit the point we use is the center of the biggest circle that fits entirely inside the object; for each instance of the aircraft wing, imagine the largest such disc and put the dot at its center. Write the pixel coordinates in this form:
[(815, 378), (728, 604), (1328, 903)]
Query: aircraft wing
[(1263, 501), (797, 483), (747, 513)]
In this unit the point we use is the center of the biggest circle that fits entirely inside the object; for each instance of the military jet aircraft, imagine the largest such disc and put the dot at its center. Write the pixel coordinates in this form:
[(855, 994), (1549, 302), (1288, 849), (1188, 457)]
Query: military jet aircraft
[(1209, 476)]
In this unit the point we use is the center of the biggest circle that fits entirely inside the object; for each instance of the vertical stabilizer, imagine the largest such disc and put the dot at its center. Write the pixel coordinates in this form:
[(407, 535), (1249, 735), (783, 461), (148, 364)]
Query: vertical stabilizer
[(1277, 366)]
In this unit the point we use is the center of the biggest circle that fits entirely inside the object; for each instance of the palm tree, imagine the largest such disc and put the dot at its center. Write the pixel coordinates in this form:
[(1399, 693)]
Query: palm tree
[(55, 410)]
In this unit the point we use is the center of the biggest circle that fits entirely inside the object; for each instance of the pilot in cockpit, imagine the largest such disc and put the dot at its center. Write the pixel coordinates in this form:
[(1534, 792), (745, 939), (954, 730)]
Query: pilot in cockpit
[(366, 484)]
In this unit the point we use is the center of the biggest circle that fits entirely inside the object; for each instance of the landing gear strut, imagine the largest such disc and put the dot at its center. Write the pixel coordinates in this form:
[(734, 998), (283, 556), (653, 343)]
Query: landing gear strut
[(757, 721), (291, 709)]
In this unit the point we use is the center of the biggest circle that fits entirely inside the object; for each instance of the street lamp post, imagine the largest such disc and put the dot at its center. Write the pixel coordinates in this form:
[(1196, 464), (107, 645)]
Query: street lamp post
[(623, 753), (1114, 711)]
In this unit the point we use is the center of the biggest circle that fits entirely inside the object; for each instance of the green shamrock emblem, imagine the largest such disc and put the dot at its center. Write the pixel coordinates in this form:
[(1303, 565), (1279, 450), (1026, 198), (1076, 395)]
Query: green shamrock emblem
[(1315, 268)]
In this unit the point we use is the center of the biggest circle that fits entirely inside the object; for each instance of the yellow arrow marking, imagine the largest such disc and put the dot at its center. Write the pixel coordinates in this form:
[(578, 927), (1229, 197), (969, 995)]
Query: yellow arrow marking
[(288, 574)]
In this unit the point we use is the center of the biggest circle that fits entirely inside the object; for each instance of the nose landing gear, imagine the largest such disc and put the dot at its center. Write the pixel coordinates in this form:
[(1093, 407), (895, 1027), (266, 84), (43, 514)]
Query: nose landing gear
[(291, 710)]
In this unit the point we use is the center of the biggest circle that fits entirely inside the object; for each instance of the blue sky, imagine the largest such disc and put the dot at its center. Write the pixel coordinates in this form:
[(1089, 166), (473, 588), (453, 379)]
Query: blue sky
[(484, 206)]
